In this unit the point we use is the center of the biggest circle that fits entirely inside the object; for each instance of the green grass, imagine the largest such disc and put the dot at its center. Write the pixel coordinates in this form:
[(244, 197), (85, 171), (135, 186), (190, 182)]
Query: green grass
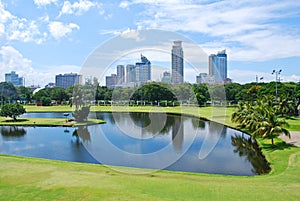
[(45, 122), (38, 179)]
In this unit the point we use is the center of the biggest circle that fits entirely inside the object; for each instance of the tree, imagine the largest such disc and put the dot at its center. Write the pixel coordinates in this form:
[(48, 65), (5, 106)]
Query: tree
[(82, 108), (201, 93), (58, 94), (12, 110), (260, 118), (46, 101), (24, 94), (7, 92)]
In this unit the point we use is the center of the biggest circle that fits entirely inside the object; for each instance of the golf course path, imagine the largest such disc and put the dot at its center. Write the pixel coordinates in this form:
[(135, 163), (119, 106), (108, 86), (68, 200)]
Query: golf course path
[(294, 140)]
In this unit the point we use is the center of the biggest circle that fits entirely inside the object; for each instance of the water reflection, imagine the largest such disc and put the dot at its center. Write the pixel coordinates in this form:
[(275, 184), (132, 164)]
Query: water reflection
[(144, 140), (198, 123), (12, 131), (177, 133), (247, 147), (82, 134)]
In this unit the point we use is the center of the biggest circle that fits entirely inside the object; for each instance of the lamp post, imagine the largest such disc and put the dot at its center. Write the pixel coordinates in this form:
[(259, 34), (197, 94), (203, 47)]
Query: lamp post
[(276, 73)]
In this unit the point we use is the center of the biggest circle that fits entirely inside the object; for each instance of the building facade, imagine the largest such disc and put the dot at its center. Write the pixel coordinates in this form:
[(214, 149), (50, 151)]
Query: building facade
[(166, 77), (111, 81), (177, 63), (143, 70), (67, 80), (121, 74), (14, 78), (204, 78), (130, 73), (218, 66)]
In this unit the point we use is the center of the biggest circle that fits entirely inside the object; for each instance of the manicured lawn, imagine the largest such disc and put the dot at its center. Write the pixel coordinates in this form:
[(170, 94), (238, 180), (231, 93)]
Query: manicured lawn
[(39, 179), (45, 122)]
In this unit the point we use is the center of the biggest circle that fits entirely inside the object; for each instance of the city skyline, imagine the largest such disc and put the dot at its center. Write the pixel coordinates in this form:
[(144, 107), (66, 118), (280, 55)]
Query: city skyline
[(55, 37)]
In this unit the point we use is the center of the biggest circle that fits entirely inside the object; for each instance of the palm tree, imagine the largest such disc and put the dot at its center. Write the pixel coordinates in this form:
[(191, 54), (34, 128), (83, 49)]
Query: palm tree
[(285, 105), (260, 118), (272, 127)]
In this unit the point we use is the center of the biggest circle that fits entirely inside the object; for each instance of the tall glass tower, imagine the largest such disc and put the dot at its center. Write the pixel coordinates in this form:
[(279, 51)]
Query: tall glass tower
[(218, 66), (177, 63)]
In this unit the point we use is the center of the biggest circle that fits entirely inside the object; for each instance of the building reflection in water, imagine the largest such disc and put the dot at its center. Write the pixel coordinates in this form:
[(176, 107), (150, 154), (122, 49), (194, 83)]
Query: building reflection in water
[(177, 133)]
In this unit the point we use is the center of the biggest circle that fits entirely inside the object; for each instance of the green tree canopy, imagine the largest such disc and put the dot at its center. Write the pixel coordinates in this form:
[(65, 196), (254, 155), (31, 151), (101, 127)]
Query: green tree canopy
[(12, 110)]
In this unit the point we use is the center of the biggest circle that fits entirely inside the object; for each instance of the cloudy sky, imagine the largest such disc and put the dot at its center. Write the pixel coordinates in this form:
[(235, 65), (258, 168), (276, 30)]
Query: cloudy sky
[(41, 38)]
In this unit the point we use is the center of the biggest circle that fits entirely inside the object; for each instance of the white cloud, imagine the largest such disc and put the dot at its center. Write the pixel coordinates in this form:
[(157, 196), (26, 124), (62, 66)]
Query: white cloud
[(79, 7), (41, 3), (253, 28), (15, 28), (130, 33), (59, 30), (13, 60)]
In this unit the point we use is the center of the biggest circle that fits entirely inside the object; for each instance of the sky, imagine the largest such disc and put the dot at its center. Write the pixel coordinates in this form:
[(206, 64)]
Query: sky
[(42, 38)]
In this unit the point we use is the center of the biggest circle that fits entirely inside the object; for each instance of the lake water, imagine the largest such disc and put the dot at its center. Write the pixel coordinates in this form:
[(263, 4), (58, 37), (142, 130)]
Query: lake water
[(144, 140)]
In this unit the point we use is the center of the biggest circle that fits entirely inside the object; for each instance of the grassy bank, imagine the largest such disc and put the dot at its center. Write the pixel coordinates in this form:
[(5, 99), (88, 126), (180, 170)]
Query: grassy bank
[(45, 122), (39, 179)]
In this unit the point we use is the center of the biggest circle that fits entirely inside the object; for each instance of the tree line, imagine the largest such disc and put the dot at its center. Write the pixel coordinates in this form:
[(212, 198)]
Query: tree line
[(158, 93)]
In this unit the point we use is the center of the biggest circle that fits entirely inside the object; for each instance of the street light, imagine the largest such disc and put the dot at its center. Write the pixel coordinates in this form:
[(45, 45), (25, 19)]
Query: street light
[(276, 73)]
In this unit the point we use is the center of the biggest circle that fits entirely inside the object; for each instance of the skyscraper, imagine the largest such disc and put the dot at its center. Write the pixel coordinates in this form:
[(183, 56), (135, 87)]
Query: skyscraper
[(166, 77), (121, 74), (111, 81), (143, 70), (218, 66), (14, 78), (67, 80), (130, 73), (177, 63)]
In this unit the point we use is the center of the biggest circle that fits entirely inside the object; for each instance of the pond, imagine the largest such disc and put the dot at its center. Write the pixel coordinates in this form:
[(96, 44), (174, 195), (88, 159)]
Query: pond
[(143, 140)]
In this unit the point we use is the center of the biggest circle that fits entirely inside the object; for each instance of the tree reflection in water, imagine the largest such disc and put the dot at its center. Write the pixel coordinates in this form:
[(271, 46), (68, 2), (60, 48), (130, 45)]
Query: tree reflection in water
[(12, 131), (246, 146), (152, 122), (82, 134)]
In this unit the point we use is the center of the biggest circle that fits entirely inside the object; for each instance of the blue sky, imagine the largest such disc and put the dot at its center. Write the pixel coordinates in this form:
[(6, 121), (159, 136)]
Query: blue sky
[(40, 38)]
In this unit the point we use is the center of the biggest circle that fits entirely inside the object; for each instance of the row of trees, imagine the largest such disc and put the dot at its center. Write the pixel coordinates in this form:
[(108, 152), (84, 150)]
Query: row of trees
[(202, 94)]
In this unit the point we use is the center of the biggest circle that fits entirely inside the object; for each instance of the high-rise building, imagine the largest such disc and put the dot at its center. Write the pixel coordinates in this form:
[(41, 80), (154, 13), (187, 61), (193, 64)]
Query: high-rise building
[(204, 78), (67, 80), (14, 78), (121, 74), (143, 70), (218, 66), (177, 63), (130, 73), (166, 77), (111, 81)]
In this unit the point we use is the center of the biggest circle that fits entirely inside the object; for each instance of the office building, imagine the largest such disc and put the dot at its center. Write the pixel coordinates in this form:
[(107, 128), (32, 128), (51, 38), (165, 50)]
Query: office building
[(121, 74), (130, 73), (177, 63), (166, 77), (204, 78), (111, 81), (143, 70), (218, 66), (67, 80), (14, 78)]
